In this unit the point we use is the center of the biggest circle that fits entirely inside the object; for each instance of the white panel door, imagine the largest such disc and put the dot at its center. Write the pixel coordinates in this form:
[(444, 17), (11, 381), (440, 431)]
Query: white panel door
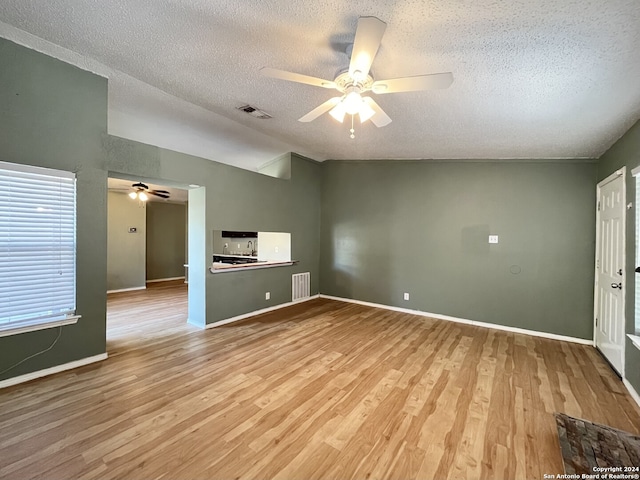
[(610, 260)]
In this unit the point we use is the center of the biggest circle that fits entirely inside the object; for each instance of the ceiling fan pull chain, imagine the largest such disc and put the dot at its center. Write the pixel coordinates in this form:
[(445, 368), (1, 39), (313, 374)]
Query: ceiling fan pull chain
[(353, 134)]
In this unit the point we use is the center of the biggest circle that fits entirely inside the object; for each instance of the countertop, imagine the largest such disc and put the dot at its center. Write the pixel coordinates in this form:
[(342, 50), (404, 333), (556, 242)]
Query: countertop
[(219, 267)]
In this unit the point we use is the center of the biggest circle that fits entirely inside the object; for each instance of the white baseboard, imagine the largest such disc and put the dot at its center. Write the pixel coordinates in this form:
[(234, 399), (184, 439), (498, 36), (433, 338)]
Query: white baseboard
[(127, 289), (448, 318), (632, 391), (259, 312), (166, 279), (50, 371)]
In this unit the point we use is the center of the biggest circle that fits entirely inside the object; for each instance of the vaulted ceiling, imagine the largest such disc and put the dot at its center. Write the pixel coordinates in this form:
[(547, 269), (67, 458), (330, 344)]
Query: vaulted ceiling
[(533, 79)]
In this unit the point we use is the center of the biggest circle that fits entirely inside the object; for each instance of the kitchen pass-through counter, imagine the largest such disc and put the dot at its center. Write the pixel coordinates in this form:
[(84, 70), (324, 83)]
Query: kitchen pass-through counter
[(234, 263)]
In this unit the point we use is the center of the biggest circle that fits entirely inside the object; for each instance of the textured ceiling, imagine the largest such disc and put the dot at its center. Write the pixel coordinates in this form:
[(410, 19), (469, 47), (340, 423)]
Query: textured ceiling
[(533, 79)]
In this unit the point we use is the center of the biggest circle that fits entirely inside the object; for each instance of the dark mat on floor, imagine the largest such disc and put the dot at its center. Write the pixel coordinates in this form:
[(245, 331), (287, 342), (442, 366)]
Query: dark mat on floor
[(586, 445)]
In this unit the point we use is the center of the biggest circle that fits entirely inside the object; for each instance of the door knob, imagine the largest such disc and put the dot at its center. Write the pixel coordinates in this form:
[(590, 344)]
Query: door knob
[(617, 285)]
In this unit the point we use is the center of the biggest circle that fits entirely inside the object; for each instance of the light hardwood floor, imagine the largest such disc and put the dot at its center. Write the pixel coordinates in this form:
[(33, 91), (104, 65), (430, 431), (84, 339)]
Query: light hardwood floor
[(322, 390)]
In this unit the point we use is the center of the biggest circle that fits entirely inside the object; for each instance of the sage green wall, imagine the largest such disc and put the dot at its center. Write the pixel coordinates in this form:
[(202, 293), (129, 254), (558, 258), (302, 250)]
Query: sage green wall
[(626, 152), (166, 240), (260, 203), (279, 168), (54, 115), (125, 250), (422, 227)]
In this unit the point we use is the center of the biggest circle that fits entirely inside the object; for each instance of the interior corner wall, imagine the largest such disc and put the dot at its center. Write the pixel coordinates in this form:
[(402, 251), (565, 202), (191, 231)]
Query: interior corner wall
[(166, 240), (54, 115), (422, 227), (125, 249), (261, 203), (626, 152)]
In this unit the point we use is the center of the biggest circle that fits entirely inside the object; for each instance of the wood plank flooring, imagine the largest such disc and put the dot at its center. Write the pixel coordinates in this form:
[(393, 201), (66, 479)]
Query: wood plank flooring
[(322, 389)]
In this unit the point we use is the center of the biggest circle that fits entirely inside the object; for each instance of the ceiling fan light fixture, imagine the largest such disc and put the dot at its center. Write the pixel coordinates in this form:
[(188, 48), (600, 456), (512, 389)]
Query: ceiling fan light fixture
[(143, 196), (353, 103), (366, 112), (338, 112), (133, 195)]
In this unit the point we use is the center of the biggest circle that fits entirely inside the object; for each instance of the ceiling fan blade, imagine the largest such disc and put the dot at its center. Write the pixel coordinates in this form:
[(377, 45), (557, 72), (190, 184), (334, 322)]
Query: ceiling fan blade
[(140, 185), (316, 112), (157, 194), (412, 84), (161, 191), (379, 119), (365, 46), (296, 77)]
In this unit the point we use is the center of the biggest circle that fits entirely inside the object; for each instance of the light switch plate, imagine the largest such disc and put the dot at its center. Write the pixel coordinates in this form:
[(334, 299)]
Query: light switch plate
[(493, 238)]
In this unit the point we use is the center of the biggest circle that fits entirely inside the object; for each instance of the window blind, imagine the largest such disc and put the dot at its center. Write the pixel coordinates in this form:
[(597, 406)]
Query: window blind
[(37, 245)]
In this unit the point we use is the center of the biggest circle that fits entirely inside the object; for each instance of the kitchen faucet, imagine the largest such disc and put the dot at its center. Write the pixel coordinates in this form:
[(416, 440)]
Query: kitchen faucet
[(250, 247)]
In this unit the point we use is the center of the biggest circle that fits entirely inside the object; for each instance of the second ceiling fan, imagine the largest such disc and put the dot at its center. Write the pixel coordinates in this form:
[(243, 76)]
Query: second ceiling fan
[(357, 79), (141, 192)]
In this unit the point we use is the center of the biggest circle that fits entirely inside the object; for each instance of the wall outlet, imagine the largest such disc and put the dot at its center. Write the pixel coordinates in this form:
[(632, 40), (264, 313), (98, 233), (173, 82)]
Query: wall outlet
[(267, 296), (406, 296), (493, 238), (276, 249)]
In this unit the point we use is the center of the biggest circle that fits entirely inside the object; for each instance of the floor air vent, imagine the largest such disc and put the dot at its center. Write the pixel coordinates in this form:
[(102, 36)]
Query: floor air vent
[(300, 286)]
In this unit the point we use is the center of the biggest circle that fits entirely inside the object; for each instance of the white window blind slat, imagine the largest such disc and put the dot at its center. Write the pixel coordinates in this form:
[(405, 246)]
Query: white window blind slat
[(17, 293), (37, 273), (37, 245)]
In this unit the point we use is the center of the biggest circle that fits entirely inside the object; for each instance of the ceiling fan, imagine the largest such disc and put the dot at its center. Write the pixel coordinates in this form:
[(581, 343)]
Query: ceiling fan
[(356, 80), (141, 192)]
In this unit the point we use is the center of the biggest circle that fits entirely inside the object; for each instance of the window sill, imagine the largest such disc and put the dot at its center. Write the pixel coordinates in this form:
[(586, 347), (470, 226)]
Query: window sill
[(635, 340), (17, 329)]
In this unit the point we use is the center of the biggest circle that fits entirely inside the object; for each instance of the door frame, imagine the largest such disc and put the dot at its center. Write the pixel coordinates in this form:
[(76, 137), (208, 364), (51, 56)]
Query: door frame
[(621, 172)]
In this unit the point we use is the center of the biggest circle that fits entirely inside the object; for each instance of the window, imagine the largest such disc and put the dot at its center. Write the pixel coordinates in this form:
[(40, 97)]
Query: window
[(37, 248)]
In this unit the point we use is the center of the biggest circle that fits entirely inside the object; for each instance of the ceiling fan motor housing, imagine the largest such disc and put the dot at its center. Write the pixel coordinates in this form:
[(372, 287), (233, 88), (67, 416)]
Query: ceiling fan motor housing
[(344, 81)]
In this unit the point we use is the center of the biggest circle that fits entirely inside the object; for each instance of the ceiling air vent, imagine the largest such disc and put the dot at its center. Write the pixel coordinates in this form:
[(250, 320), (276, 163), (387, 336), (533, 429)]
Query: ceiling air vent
[(254, 112)]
